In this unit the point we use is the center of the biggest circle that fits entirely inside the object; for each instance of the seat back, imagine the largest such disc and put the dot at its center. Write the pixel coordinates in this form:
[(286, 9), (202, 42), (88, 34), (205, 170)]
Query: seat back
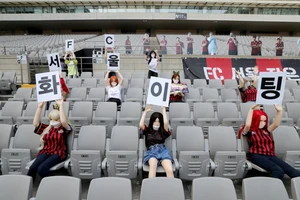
[(204, 116), (98, 74), (245, 107), (8, 184), (200, 83), (227, 110), (83, 109), (10, 111), (228, 94), (65, 187), (230, 83), (97, 93), (123, 153), (74, 82), (31, 109), (295, 187), (23, 93), (86, 159), (215, 83), (273, 188), (89, 82), (6, 132), (209, 93), (162, 188), (134, 95), (291, 84), (86, 75), (138, 75), (296, 93), (166, 74), (79, 93), (130, 114), (293, 111), (212, 188), (137, 83), (106, 189), (191, 152)]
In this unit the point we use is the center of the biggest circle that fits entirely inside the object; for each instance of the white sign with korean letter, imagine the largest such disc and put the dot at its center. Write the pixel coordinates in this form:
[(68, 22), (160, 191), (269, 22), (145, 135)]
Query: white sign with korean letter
[(69, 45), (270, 88), (159, 91), (48, 86), (54, 62), (109, 41), (113, 61)]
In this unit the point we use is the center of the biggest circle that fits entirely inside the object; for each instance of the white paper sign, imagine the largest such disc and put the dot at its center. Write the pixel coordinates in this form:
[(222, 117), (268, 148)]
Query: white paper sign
[(270, 87), (109, 41), (159, 91), (54, 62), (69, 45), (48, 86), (113, 61)]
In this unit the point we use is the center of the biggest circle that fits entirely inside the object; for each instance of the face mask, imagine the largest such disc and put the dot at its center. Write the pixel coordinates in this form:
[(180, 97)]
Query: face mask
[(152, 55), (113, 84), (262, 124), (55, 124), (175, 81), (155, 128)]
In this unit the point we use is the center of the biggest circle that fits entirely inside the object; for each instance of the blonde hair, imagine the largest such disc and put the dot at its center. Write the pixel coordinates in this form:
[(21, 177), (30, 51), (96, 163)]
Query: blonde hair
[(53, 115)]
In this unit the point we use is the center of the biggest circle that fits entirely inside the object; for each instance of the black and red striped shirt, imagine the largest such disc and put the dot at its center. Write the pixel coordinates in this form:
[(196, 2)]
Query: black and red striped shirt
[(261, 142), (248, 94), (55, 141)]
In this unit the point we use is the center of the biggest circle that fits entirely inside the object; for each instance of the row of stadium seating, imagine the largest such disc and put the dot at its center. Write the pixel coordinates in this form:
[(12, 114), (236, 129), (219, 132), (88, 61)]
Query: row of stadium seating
[(93, 154), (160, 188), (41, 45)]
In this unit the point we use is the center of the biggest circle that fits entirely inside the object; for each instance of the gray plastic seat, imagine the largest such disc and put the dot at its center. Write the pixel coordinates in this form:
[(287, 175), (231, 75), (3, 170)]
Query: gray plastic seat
[(273, 188), (211, 95), (81, 115), (6, 132), (230, 160), (187, 82), (74, 83), (296, 93), (138, 75), (180, 115), (200, 84), (8, 184), (100, 82), (162, 188), (96, 95), (271, 111), (165, 74), (213, 188), (8, 81), (291, 84), (204, 116), (287, 145), (136, 83), (106, 115), (89, 83), (245, 107), (230, 83), (60, 188), (126, 75), (122, 152), (99, 74), (22, 149), (88, 152), (106, 189), (192, 153), (29, 112), (134, 95), (193, 96), (130, 114), (22, 94), (288, 98), (295, 187), (229, 95), (228, 115), (215, 83), (77, 94), (10, 111), (86, 75), (293, 111)]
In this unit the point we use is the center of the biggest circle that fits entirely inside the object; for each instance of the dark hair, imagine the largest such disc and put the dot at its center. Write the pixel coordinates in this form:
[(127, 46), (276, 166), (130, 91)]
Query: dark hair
[(150, 58), (153, 117), (174, 77)]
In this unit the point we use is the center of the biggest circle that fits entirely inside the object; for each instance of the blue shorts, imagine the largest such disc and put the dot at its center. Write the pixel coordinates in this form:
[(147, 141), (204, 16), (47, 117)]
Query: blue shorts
[(158, 151)]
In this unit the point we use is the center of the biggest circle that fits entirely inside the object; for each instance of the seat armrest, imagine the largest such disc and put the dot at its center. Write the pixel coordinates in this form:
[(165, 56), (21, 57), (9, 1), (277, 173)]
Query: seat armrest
[(239, 145), (67, 163), (29, 164), (58, 166), (103, 165), (11, 142), (206, 145), (33, 198), (248, 165), (174, 149), (141, 151), (107, 148), (212, 164), (176, 163), (75, 143)]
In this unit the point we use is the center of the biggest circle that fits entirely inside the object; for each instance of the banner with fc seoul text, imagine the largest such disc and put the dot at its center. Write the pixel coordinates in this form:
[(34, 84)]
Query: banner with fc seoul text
[(224, 68)]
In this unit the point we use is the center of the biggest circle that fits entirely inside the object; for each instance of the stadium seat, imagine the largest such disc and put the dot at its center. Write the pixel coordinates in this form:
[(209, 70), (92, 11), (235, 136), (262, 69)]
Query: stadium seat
[(134, 95), (200, 84), (89, 83), (88, 152), (291, 84), (6, 132), (293, 111), (96, 95), (8, 81), (81, 115), (106, 115), (74, 83), (33, 96), (187, 82), (106, 188), (10, 111), (228, 156), (76, 94), (193, 96), (100, 82), (215, 83), (86, 75), (126, 75), (29, 112), (23, 147), (296, 93), (136, 83), (137, 74), (130, 114), (271, 111), (60, 188), (287, 145), (229, 95), (245, 107), (180, 115), (22, 94), (192, 153), (213, 188), (211, 95), (204, 116), (228, 115), (295, 187), (166, 74), (230, 84), (288, 98), (99, 74), (273, 188), (125, 85), (15, 187), (162, 188), (122, 152)]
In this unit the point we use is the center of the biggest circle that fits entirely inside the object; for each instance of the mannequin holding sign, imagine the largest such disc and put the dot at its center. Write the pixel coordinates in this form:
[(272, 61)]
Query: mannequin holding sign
[(248, 86), (114, 87), (152, 63), (71, 62)]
